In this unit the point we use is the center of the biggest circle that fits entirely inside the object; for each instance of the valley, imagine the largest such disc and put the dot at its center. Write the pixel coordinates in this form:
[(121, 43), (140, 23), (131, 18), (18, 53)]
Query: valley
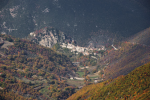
[(56, 71), (26, 64), (74, 50)]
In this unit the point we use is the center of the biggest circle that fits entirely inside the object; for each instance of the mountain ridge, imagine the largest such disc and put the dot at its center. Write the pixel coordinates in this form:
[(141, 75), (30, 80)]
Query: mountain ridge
[(75, 18)]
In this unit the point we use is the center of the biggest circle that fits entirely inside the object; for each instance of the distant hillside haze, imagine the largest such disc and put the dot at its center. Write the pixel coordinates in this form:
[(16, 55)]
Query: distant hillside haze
[(76, 18)]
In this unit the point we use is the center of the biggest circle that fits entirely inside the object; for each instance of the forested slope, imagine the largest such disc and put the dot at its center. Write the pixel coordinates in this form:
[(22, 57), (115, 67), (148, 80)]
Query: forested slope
[(135, 85), (30, 71)]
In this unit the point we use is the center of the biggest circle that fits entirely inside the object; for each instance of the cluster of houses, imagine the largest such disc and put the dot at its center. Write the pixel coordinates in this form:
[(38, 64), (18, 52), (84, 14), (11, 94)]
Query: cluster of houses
[(49, 36), (84, 50)]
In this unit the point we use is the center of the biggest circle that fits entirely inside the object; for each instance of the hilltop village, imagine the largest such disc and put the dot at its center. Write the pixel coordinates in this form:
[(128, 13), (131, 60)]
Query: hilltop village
[(84, 58), (84, 50), (49, 36)]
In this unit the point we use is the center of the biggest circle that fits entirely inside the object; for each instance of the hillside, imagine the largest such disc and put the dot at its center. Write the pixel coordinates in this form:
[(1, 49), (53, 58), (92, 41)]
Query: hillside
[(135, 85), (142, 37), (124, 60), (77, 19), (30, 71)]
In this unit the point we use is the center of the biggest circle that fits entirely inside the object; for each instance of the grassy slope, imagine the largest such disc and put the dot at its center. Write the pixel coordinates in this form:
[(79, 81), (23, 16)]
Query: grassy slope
[(135, 85), (126, 59), (142, 37), (131, 55)]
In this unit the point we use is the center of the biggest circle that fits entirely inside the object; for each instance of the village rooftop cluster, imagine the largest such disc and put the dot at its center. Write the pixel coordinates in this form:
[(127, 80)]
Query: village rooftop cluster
[(84, 50), (49, 38)]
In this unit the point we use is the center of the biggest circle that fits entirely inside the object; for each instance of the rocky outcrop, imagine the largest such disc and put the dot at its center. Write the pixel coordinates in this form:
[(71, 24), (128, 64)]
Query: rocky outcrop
[(48, 37)]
